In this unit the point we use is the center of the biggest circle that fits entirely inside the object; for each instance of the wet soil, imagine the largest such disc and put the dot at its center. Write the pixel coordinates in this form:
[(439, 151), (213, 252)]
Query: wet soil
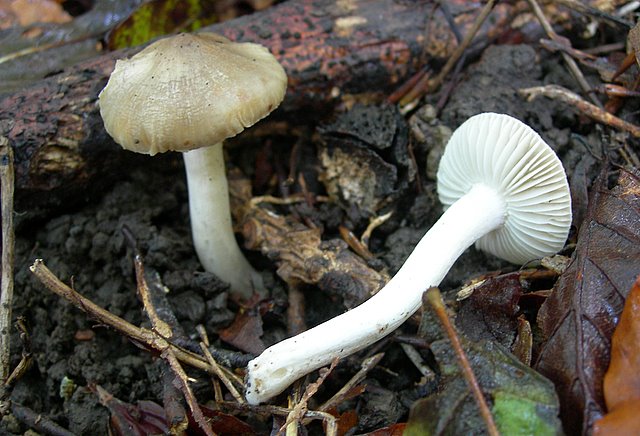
[(87, 248)]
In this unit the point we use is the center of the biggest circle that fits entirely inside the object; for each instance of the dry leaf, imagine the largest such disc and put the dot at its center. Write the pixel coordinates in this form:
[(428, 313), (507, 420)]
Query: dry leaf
[(579, 317), (26, 12), (622, 381), (245, 332)]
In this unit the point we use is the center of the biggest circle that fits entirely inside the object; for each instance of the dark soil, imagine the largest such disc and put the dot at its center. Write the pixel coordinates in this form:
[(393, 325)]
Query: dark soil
[(86, 248)]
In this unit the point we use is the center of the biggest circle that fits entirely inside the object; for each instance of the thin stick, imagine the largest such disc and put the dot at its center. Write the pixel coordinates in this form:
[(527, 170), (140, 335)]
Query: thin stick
[(425, 84), (367, 365), (300, 409), (8, 241), (571, 63), (181, 375), (220, 374), (457, 54), (139, 335), (586, 108), (434, 298), (159, 325), (374, 223), (328, 419)]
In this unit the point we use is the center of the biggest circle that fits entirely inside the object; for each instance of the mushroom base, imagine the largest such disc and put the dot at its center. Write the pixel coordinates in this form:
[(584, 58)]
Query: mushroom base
[(211, 225)]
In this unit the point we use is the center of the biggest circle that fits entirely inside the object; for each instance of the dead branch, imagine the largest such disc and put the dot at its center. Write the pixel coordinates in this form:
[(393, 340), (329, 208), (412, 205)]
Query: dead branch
[(8, 240), (141, 336), (583, 106), (329, 49)]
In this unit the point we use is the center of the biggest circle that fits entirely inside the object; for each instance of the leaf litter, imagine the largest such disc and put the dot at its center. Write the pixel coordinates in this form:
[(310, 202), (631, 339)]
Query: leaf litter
[(579, 317)]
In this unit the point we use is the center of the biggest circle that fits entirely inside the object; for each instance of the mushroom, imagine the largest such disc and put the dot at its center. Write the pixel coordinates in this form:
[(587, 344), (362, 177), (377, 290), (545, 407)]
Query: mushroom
[(503, 188), (188, 93)]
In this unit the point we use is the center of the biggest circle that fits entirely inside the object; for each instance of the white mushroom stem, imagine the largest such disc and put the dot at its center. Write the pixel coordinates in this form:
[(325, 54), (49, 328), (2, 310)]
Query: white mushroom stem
[(211, 226), (477, 213)]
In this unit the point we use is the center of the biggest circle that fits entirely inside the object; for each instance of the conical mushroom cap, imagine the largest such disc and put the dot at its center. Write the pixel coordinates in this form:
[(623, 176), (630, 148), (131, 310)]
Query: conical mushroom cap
[(190, 91), (507, 155)]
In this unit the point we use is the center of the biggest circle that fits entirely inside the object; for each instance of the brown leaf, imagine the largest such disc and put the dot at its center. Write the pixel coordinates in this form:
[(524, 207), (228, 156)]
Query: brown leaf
[(625, 420), (26, 12), (633, 41), (491, 312), (579, 317), (392, 430), (622, 380), (245, 332)]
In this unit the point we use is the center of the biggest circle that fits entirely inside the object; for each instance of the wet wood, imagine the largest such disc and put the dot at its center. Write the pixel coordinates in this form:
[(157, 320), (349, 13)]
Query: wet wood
[(330, 49)]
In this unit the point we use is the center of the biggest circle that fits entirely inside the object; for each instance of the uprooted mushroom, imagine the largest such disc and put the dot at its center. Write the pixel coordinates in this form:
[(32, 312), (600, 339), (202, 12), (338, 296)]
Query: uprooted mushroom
[(503, 188)]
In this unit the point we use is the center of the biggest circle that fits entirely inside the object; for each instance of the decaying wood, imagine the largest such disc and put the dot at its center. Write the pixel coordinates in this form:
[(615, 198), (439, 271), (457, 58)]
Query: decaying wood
[(329, 48), (299, 252)]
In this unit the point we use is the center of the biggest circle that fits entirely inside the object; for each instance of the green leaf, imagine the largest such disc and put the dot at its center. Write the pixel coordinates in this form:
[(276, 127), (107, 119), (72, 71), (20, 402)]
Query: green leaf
[(160, 17), (523, 401)]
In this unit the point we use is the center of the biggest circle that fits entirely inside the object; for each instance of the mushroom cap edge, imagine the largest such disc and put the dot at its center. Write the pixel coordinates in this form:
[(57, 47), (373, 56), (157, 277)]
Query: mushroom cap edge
[(177, 94), (507, 155)]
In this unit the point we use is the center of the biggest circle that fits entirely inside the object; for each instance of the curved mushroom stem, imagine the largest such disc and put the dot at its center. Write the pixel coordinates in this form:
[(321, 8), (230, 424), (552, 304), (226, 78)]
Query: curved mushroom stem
[(211, 226), (475, 214)]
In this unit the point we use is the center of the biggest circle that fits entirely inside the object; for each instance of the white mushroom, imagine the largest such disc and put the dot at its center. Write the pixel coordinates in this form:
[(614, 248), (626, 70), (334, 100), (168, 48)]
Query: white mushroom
[(188, 93), (503, 188)]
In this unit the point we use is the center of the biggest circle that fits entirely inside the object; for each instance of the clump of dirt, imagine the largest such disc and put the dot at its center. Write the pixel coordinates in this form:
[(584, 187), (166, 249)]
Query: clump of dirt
[(87, 248)]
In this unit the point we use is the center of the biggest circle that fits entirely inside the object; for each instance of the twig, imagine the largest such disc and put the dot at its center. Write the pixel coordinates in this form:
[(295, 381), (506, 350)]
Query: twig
[(367, 365), (571, 63), (417, 360), (141, 336), (198, 416), (586, 108), (595, 12), (374, 223), (221, 375), (38, 422), (267, 410), (292, 199), (295, 311), (298, 412), (164, 330), (434, 298), (27, 358), (426, 84), (354, 243), (8, 241), (159, 325)]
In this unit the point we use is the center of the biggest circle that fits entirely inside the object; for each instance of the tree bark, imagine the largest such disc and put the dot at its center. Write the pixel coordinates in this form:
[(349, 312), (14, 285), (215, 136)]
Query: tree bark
[(329, 48)]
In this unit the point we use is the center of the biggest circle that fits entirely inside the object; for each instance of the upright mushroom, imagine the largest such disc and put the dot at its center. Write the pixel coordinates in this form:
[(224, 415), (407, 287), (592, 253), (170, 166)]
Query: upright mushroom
[(188, 93), (502, 187)]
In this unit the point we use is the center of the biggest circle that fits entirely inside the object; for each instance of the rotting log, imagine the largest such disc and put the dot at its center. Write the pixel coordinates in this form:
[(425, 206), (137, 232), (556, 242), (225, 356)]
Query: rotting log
[(329, 48)]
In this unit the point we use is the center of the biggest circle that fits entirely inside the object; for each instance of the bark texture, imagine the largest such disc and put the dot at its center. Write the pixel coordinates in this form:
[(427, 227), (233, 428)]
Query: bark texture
[(329, 48)]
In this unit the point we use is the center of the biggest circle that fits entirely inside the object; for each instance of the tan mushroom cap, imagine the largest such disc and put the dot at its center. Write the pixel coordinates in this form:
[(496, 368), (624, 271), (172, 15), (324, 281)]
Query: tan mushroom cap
[(190, 91), (505, 154)]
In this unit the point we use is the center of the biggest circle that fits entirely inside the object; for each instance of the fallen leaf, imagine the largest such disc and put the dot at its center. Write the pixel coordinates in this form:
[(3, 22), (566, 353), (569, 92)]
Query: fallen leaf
[(633, 41), (523, 401), (143, 418), (625, 420), (622, 380), (25, 12), (579, 317), (392, 430), (245, 332), (491, 312), (160, 17)]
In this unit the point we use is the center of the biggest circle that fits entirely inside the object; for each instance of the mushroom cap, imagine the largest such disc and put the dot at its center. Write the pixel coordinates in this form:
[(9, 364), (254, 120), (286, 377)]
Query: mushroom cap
[(505, 154), (190, 91)]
